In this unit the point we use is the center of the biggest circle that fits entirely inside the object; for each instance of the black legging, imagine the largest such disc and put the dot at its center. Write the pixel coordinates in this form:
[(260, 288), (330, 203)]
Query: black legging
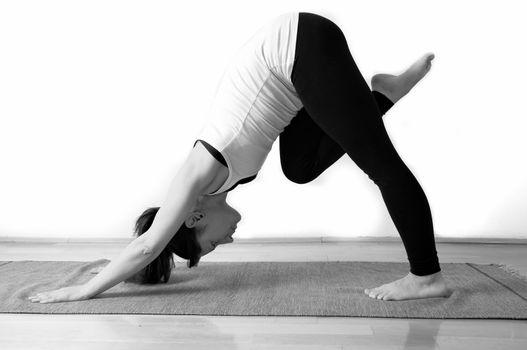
[(341, 115)]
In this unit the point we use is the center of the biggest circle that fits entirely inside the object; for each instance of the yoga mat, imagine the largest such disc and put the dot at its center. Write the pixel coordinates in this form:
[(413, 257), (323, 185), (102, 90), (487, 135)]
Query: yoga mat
[(268, 289)]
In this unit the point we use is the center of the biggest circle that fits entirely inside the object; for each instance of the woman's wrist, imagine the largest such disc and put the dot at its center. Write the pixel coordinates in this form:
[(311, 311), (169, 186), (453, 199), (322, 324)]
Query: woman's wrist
[(86, 292)]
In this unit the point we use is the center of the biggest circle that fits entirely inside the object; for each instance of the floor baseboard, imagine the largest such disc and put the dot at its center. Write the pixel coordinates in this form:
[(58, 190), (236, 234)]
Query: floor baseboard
[(323, 239)]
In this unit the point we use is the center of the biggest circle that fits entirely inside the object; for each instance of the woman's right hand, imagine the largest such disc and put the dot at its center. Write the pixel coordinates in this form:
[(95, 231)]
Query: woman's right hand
[(73, 293)]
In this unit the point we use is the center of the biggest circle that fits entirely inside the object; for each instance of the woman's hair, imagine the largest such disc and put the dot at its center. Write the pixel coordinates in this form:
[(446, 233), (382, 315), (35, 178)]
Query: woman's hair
[(183, 243)]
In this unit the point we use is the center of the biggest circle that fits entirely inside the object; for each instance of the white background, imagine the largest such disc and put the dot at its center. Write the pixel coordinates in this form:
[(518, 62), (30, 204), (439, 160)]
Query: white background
[(101, 101)]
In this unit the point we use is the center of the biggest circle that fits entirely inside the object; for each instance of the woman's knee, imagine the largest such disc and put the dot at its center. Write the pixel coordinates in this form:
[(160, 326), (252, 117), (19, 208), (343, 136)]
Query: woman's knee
[(297, 176), (391, 176)]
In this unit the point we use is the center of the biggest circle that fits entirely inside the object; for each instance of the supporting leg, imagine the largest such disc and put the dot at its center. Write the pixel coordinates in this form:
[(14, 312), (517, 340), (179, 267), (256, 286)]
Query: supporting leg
[(337, 98)]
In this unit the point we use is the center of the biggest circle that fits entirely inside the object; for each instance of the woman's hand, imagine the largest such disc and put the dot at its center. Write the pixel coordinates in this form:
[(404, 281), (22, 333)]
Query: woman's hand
[(72, 293)]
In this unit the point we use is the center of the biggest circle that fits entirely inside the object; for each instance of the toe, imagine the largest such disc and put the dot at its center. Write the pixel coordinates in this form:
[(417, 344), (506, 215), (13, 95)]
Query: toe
[(382, 294)]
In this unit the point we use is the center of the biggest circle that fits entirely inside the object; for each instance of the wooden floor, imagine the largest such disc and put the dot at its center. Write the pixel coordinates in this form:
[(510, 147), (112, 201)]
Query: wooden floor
[(26, 331)]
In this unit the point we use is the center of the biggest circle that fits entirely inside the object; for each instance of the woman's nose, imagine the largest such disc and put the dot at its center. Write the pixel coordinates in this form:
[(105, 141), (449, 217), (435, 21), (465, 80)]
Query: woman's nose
[(226, 240)]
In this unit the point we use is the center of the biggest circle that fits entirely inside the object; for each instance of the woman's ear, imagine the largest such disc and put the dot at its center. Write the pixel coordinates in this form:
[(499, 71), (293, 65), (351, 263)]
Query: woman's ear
[(194, 218)]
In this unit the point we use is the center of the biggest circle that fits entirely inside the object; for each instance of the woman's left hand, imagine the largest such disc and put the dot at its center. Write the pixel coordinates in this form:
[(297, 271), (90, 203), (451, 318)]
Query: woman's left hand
[(72, 293)]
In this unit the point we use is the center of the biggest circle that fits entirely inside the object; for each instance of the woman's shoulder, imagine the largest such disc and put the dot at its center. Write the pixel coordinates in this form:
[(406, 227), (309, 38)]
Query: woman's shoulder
[(207, 167)]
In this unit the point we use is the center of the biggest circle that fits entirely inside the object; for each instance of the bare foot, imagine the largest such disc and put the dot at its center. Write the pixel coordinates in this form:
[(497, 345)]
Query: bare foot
[(396, 86), (412, 287)]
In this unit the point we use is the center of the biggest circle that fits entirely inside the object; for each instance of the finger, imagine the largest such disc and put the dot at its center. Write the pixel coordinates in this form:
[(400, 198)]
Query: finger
[(38, 297), (45, 299)]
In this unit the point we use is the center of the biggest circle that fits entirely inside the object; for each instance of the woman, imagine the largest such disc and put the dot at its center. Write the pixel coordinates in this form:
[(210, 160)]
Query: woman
[(294, 79)]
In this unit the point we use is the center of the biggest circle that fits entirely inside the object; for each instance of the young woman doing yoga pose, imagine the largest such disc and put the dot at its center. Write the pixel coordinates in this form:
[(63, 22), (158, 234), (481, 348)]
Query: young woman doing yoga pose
[(295, 80)]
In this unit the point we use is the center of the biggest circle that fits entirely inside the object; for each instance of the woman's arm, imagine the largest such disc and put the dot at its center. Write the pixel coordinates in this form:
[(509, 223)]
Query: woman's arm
[(192, 180), (131, 260), (188, 184)]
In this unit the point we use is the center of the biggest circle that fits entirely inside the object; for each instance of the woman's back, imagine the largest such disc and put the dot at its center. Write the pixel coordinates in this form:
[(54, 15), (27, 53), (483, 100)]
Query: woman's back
[(255, 99)]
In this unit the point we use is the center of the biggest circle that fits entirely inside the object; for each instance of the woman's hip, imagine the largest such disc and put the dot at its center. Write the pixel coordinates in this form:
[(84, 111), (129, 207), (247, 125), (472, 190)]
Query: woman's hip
[(319, 41)]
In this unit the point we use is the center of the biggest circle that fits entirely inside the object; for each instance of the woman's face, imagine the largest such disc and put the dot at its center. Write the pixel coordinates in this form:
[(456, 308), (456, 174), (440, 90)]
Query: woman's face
[(215, 221)]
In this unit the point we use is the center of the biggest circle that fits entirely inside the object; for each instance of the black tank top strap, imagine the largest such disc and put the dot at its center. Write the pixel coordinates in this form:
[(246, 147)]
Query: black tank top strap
[(215, 153)]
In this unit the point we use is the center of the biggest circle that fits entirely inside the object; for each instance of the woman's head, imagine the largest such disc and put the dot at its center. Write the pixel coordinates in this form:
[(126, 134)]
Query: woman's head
[(210, 223), (214, 220)]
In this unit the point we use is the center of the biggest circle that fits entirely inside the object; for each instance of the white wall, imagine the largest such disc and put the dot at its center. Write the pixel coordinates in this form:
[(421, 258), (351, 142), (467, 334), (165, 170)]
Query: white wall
[(100, 101)]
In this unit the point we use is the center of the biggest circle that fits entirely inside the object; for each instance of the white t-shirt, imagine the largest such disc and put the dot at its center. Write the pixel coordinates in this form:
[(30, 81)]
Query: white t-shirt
[(255, 99)]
